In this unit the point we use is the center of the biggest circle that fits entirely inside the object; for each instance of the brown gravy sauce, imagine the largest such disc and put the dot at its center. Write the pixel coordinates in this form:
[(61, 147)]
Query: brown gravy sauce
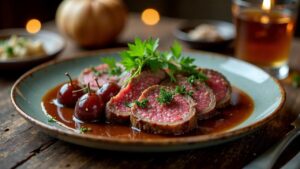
[(239, 110)]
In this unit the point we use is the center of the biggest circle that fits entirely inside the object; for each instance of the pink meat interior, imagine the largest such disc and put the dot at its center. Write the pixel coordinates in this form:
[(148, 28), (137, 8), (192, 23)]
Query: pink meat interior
[(200, 94), (133, 91), (202, 98), (217, 84), (176, 111), (89, 77)]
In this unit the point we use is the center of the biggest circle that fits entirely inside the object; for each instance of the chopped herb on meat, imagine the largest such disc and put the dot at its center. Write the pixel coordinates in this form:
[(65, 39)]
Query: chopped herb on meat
[(165, 97), (142, 104), (196, 76), (191, 79), (114, 69), (95, 71), (182, 90)]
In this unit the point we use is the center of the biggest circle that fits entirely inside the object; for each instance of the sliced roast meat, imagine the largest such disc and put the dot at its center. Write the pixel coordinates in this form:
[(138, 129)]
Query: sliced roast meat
[(202, 95), (118, 109), (88, 75), (176, 118), (220, 86)]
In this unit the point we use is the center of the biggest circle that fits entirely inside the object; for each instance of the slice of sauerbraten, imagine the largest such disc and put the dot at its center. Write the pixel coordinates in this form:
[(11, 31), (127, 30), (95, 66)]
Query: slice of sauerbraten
[(220, 86), (175, 118), (118, 108), (100, 72), (202, 95)]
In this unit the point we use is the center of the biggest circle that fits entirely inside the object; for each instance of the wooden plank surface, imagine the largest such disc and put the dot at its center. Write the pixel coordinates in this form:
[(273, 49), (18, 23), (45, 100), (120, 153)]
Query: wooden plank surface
[(24, 146)]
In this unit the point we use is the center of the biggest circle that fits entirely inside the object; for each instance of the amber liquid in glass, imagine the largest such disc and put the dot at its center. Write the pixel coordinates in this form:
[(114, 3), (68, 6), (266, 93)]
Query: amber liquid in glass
[(264, 38)]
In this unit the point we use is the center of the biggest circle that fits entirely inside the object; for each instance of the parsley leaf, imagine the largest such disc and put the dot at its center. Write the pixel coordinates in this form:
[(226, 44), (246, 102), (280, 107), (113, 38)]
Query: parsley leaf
[(191, 79), (143, 55), (197, 76), (182, 90), (51, 120), (114, 69), (142, 104), (84, 129), (165, 97), (176, 50), (96, 72)]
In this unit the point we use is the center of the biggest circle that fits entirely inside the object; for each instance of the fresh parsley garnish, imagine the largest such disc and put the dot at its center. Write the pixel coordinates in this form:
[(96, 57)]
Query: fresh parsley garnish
[(114, 69), (143, 103), (95, 71), (191, 79), (197, 76), (182, 90), (84, 129), (296, 80), (143, 55), (51, 120), (165, 97)]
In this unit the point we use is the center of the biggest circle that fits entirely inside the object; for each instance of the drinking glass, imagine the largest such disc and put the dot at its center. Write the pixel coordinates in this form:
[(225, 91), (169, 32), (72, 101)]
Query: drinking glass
[(264, 33)]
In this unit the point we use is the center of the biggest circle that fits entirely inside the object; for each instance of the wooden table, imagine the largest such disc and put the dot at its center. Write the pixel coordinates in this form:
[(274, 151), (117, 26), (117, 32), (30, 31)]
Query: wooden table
[(24, 146)]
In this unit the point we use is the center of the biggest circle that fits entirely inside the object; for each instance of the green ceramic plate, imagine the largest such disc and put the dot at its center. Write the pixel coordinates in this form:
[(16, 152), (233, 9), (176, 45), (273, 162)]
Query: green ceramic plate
[(266, 92)]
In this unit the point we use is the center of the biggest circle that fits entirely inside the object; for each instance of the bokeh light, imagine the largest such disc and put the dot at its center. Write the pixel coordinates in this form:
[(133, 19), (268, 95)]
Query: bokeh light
[(150, 16), (33, 26)]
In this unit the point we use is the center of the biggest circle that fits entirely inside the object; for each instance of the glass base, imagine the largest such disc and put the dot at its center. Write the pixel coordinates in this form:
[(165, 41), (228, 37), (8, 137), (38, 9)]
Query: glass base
[(281, 72)]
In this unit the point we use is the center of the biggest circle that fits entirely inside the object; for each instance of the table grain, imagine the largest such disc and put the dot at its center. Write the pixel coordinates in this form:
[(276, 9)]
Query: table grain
[(24, 146)]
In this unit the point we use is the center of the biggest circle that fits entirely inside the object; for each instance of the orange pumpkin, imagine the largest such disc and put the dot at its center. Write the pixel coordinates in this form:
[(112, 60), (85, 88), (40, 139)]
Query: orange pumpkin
[(91, 22)]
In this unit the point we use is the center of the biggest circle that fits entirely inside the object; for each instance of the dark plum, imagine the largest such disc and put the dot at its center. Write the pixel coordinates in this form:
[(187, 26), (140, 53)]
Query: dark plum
[(89, 107), (69, 93)]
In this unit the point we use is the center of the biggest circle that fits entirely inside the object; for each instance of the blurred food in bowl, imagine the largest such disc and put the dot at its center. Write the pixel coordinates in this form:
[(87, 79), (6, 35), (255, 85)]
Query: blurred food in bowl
[(205, 32), (91, 23), (209, 35), (17, 47), (21, 50)]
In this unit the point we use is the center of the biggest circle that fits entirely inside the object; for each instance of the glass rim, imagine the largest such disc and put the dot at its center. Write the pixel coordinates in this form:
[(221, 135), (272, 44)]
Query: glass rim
[(244, 3)]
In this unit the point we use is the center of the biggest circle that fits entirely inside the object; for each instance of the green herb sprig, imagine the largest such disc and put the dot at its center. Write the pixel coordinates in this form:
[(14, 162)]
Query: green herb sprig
[(84, 129), (143, 103), (96, 72), (165, 97), (114, 69), (143, 55), (197, 76), (51, 120), (182, 90)]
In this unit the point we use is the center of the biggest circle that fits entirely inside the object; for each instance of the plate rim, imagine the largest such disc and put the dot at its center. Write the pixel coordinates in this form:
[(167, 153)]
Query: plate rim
[(142, 142)]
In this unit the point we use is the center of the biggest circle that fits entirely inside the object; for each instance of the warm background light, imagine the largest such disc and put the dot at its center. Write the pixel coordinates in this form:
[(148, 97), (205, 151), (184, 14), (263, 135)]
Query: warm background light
[(266, 5), (150, 16), (33, 26)]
